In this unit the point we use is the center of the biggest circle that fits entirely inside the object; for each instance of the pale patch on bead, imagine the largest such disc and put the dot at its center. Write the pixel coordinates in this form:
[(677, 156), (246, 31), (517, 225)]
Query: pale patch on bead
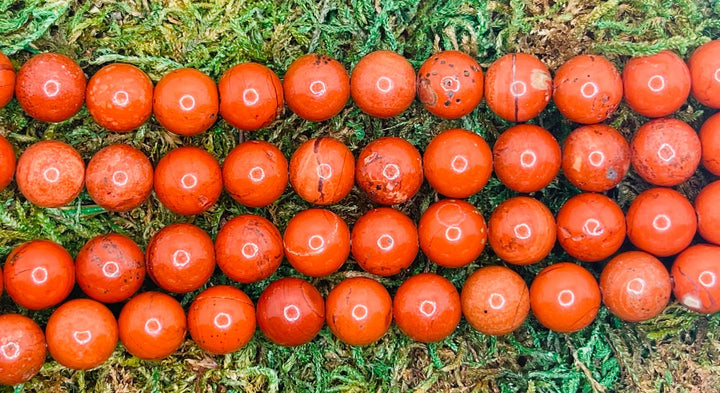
[(596, 158), (39, 275), (384, 84), (316, 242), (497, 301), (189, 181), (180, 258), (250, 97), (318, 88), (566, 298), (249, 250), (153, 326), (593, 227), (119, 178), (428, 308), (10, 351), (636, 286), (82, 337), (222, 320), (522, 231), (584, 88), (187, 102), (291, 312), (661, 222), (707, 279), (121, 98), (453, 234), (450, 83), (51, 88), (257, 174), (528, 159), (692, 302), (324, 171), (656, 83), (518, 88), (359, 312), (111, 269), (391, 171), (385, 242), (459, 164), (666, 152), (51, 175)]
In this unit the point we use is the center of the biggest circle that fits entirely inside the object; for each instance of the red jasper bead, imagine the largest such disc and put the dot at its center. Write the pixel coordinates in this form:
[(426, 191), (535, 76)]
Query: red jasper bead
[(358, 311), (383, 84), (389, 170), (587, 89), (290, 312), (50, 173), (518, 87), (317, 242), (495, 300), (39, 274), (426, 307), (457, 163), (521, 231), (110, 268), (255, 173), (322, 171), (661, 221), (316, 87), (704, 66), (22, 349), (186, 102), (119, 178), (180, 258), (450, 84), (81, 334), (152, 326), (452, 233), (119, 97), (564, 297), (384, 241), (635, 286), (251, 96), (595, 157), (527, 158), (248, 248), (656, 85), (188, 180), (708, 214), (221, 319), (695, 274), (7, 80), (710, 142), (7, 162)]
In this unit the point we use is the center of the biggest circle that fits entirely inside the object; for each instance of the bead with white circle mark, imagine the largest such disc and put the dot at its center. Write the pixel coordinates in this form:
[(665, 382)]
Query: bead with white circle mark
[(111, 269), (661, 222), (384, 84), (428, 308), (518, 88), (453, 233), (189, 181), (636, 286), (291, 312), (593, 227), (566, 298), (596, 158), (666, 152), (691, 301), (51, 175), (385, 242), (391, 171), (250, 97), (522, 231), (119, 178), (707, 279), (222, 320), (589, 89), (121, 98), (187, 102), (459, 164), (318, 88), (316, 242), (180, 258), (324, 171), (51, 88), (249, 250), (359, 312), (656, 83), (153, 326), (39, 275), (497, 301), (82, 337), (256, 174), (450, 83), (528, 159), (10, 351)]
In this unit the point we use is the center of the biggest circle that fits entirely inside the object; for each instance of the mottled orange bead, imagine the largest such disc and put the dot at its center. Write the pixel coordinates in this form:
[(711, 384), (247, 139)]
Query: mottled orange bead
[(248, 248), (521, 230), (590, 227), (317, 242), (152, 326), (389, 170), (119, 97), (695, 275), (595, 157), (251, 96), (427, 307), (316, 86), (23, 344), (452, 233), (186, 102), (450, 84), (527, 158), (383, 84), (457, 163), (358, 311), (221, 319), (656, 85), (708, 214), (290, 312), (188, 180), (119, 178), (255, 173), (7, 162), (50, 173), (495, 300), (384, 241), (7, 80), (322, 171), (518, 87), (704, 66)]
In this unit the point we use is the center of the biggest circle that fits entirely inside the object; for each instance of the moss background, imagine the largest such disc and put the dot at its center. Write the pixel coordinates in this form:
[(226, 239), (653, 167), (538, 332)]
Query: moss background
[(679, 351)]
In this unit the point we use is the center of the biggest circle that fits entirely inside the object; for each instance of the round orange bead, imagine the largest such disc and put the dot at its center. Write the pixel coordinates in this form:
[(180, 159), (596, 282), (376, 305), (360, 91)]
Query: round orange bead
[(110, 268), (595, 157), (316, 87), (152, 326), (518, 87), (457, 163), (695, 275), (7, 80), (590, 227), (81, 334), (665, 152), (50, 87), (119, 97), (251, 96), (708, 214), (564, 297), (383, 84), (188, 180), (22, 345), (635, 286), (384, 241), (317, 242), (186, 102), (322, 171), (661, 221), (587, 89), (704, 66), (50, 173), (710, 143), (452, 233), (255, 173), (495, 300), (389, 170), (527, 158), (180, 258), (656, 85), (521, 231), (426, 307), (290, 312), (39, 274), (450, 84), (358, 311), (7, 162), (119, 178), (221, 320), (248, 248)]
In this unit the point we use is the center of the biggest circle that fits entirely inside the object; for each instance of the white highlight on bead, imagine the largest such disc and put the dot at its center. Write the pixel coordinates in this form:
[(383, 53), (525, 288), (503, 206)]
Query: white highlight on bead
[(119, 178), (180, 258), (661, 222), (121, 98), (590, 85), (318, 88), (39, 275), (596, 158), (10, 351), (249, 250), (656, 83), (428, 308), (51, 174), (250, 97), (316, 242), (153, 326), (384, 84), (666, 152), (593, 227), (256, 174), (717, 75), (222, 320), (707, 279), (518, 88), (324, 171), (111, 269), (497, 301), (82, 337), (459, 164), (391, 171), (528, 159), (385, 242), (636, 286), (453, 233), (566, 298), (359, 312), (692, 302), (450, 83), (189, 181), (291, 312), (187, 102), (51, 88), (522, 231)]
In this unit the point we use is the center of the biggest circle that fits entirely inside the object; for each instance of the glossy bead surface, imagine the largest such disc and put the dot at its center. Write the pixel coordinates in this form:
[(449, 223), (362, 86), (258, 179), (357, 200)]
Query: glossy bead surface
[(521, 230), (81, 334), (384, 241), (635, 286), (322, 171), (255, 173), (527, 158), (152, 326), (710, 143), (389, 170), (661, 221), (495, 300), (518, 87), (695, 274), (290, 312), (426, 307), (452, 233), (251, 96), (180, 258), (665, 152), (564, 297), (186, 102), (188, 180), (50, 87), (50, 173), (457, 163), (119, 178), (22, 349), (656, 85), (110, 268), (39, 274), (704, 66), (248, 248), (587, 89), (595, 157), (317, 242), (383, 84), (7, 162), (7, 80), (119, 97), (450, 84), (708, 214), (316, 86), (221, 319), (358, 311)]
